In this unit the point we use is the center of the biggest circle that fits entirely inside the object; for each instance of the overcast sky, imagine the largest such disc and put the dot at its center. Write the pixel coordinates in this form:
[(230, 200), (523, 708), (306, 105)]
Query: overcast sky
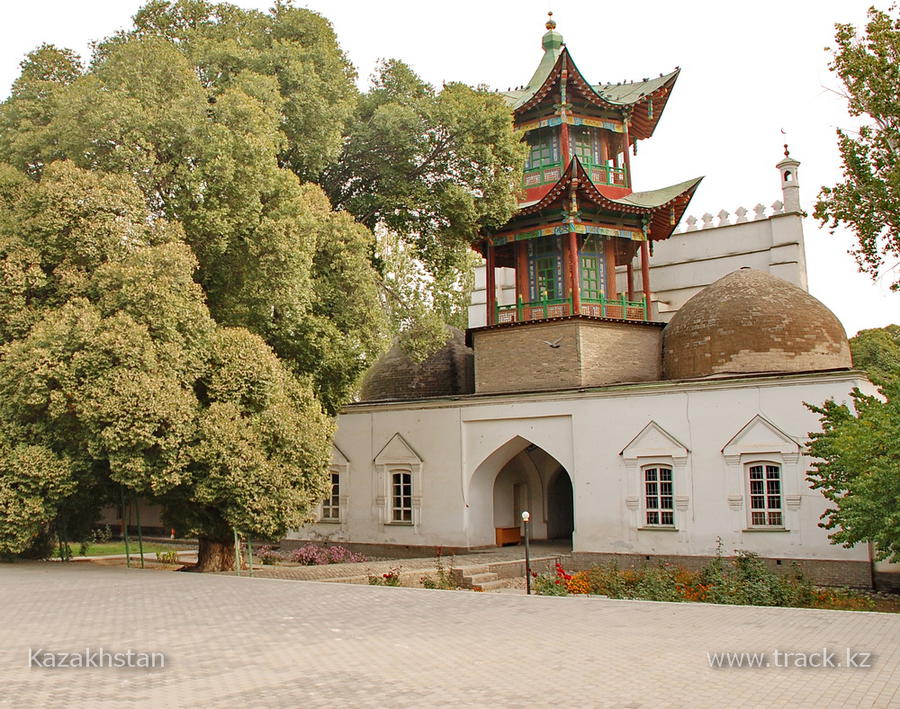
[(746, 76)]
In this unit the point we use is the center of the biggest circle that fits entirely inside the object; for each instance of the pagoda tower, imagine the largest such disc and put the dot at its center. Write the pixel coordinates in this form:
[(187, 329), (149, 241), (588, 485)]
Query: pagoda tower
[(578, 219)]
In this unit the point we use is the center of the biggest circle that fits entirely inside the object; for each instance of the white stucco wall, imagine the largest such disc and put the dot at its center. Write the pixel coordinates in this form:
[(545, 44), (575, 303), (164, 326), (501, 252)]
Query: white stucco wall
[(464, 443), (689, 261)]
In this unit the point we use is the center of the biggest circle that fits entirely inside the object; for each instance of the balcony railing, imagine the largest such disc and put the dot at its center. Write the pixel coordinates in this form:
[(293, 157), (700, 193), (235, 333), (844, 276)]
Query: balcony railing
[(599, 174), (619, 308)]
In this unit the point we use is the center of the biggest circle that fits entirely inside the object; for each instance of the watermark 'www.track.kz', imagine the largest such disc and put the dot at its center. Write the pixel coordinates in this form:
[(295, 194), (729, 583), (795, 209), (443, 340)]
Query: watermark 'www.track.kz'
[(824, 658), (88, 658)]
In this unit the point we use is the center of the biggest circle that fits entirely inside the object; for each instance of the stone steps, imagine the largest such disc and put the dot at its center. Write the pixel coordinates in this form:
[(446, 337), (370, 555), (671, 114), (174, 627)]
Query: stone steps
[(485, 580)]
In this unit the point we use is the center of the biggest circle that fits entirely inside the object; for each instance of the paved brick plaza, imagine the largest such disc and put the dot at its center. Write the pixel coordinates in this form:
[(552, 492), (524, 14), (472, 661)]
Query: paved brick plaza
[(240, 642)]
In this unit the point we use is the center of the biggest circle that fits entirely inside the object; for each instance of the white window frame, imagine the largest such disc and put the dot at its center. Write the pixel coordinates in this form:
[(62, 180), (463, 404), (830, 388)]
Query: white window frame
[(402, 500), (331, 505), (659, 510), (766, 510)]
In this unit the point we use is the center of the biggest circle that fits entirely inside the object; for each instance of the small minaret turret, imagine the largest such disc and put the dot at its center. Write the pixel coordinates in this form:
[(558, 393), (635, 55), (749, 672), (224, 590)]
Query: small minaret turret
[(790, 185)]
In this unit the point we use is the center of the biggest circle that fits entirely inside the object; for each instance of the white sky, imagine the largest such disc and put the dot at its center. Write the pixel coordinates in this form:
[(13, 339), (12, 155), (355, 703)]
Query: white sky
[(747, 74)]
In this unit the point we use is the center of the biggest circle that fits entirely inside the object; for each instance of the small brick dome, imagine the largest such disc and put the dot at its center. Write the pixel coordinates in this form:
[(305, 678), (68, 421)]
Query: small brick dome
[(447, 372), (750, 321)]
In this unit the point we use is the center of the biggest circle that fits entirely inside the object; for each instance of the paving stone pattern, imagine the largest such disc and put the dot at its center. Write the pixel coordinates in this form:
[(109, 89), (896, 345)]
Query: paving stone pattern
[(241, 642)]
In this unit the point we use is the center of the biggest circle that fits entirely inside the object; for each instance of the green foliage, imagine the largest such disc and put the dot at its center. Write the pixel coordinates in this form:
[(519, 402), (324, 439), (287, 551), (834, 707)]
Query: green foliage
[(428, 171), (167, 557), (858, 469), (125, 380), (877, 351), (548, 585), (443, 578), (858, 451), (743, 580), (391, 578), (181, 307), (33, 482), (214, 112), (868, 200)]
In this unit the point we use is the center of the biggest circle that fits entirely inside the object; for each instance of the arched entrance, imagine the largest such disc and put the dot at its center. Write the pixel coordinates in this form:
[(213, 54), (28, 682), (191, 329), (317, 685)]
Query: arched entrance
[(520, 476)]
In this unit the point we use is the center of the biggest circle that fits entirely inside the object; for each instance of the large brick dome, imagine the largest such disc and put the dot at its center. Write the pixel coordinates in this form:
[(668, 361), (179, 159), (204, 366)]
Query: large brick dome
[(750, 321), (447, 372)]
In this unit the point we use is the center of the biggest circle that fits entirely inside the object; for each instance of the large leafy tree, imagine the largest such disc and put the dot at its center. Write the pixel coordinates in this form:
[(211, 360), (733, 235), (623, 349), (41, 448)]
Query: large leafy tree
[(858, 451), (868, 199), (181, 307), (118, 378), (427, 170)]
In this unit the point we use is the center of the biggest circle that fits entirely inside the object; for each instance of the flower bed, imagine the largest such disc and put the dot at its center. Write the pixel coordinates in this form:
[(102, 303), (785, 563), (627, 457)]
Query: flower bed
[(743, 580), (309, 555)]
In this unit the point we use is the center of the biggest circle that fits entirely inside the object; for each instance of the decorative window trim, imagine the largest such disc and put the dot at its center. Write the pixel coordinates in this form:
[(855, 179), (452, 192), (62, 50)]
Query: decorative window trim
[(761, 441), (397, 457), (655, 447)]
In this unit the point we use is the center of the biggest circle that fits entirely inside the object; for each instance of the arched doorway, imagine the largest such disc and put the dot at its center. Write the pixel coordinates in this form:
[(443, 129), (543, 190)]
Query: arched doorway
[(560, 507), (519, 476)]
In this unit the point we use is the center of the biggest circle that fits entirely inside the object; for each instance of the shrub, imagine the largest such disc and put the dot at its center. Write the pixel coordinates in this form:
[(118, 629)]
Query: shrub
[(391, 578), (744, 580), (443, 578), (313, 555), (554, 584), (167, 557), (607, 580), (578, 584), (268, 556), (658, 584)]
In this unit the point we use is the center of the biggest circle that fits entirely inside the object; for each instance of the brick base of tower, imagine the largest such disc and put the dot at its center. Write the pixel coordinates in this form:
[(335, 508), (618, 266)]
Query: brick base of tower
[(565, 353)]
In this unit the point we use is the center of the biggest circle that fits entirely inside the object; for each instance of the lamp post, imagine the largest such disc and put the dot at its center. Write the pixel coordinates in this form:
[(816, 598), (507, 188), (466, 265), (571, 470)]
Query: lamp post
[(525, 517)]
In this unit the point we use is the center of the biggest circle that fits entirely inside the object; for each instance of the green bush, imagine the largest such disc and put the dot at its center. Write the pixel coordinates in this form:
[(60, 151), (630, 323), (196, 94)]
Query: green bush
[(744, 580), (658, 584)]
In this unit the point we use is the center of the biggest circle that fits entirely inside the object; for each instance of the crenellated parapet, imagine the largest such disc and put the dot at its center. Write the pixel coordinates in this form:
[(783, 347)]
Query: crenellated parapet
[(725, 218)]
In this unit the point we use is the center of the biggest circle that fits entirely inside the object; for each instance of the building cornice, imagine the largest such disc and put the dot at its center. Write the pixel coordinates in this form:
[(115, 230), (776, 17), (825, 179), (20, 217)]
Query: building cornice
[(719, 382)]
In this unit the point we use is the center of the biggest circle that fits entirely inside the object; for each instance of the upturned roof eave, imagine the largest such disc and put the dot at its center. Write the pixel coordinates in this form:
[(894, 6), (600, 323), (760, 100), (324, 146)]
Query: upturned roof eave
[(523, 100), (645, 202)]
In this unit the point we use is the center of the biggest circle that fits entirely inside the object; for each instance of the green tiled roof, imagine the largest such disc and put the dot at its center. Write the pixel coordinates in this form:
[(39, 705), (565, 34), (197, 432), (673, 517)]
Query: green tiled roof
[(656, 198), (623, 94), (631, 92)]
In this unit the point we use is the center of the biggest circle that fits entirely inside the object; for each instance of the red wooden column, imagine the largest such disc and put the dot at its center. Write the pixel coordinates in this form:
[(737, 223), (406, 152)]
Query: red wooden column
[(609, 259), (490, 285), (645, 272), (575, 275), (630, 275), (627, 155), (522, 272)]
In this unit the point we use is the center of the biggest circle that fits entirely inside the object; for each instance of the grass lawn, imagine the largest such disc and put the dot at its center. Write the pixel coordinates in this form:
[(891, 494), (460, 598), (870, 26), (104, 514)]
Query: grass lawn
[(110, 548)]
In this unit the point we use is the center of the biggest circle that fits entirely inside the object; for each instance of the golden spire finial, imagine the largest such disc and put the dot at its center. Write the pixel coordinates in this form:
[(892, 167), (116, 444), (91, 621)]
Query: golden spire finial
[(551, 23)]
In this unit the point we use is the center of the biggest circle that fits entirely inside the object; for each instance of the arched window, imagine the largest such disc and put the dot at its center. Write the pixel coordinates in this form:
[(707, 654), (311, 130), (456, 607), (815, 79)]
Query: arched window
[(658, 496), (765, 487), (331, 506), (401, 497)]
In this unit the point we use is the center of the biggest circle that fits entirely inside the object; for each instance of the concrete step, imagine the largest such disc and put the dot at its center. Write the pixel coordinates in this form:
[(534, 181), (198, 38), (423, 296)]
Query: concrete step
[(478, 579), (472, 570), (485, 580)]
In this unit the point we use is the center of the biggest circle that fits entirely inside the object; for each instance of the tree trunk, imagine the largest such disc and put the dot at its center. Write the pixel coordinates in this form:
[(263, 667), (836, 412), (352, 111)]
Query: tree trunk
[(215, 555)]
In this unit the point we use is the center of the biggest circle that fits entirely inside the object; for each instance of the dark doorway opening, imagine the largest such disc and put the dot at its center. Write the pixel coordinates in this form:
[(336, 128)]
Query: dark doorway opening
[(560, 508)]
